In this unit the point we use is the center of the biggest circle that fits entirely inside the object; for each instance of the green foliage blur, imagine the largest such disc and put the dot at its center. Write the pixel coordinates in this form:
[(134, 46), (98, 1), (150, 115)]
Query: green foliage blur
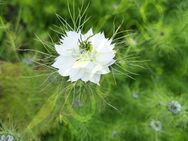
[(155, 33)]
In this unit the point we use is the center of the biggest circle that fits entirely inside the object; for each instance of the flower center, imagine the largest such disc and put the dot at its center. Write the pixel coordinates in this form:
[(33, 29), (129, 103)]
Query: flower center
[(85, 46), (85, 51), (173, 107)]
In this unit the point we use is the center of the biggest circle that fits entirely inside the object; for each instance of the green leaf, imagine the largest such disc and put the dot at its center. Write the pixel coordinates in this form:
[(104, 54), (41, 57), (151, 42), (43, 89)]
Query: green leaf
[(45, 111)]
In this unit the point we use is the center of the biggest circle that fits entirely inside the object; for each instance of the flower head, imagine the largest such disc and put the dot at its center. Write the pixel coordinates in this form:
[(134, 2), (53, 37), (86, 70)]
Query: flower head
[(77, 103), (27, 60), (156, 125), (174, 107), (135, 95), (6, 138), (114, 133), (84, 56)]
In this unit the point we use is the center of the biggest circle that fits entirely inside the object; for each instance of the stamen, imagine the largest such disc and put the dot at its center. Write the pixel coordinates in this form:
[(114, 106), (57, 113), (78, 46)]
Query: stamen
[(85, 45)]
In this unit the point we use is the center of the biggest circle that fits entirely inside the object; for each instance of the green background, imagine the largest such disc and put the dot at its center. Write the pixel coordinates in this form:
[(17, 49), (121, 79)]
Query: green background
[(154, 59)]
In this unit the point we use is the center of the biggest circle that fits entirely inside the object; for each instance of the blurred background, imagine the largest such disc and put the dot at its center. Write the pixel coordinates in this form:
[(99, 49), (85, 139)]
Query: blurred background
[(151, 99)]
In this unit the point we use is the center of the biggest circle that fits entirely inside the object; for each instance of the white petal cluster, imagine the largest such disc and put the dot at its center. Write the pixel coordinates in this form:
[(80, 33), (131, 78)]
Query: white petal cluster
[(174, 107), (156, 125), (6, 138), (114, 133), (84, 56)]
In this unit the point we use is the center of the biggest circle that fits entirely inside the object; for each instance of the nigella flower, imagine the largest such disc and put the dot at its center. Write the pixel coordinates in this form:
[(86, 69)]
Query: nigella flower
[(114, 133), (84, 56), (135, 95), (174, 107), (27, 60), (6, 138), (77, 103), (54, 79), (156, 125)]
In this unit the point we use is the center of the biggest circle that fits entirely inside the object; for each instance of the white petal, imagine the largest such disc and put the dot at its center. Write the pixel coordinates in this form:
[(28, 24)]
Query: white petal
[(88, 34), (59, 48), (68, 43), (105, 70), (97, 40), (63, 64), (95, 79), (80, 64), (65, 72), (76, 74), (86, 77), (104, 58), (111, 62), (101, 44), (58, 62), (71, 39), (107, 47)]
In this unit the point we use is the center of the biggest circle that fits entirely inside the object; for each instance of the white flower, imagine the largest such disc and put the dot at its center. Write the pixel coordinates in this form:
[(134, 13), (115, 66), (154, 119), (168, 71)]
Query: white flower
[(156, 125), (6, 138), (135, 95), (27, 60), (84, 56), (2, 137), (77, 103), (174, 107), (114, 133)]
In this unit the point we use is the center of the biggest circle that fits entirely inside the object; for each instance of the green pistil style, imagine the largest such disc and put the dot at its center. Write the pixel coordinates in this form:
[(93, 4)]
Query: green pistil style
[(85, 45)]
